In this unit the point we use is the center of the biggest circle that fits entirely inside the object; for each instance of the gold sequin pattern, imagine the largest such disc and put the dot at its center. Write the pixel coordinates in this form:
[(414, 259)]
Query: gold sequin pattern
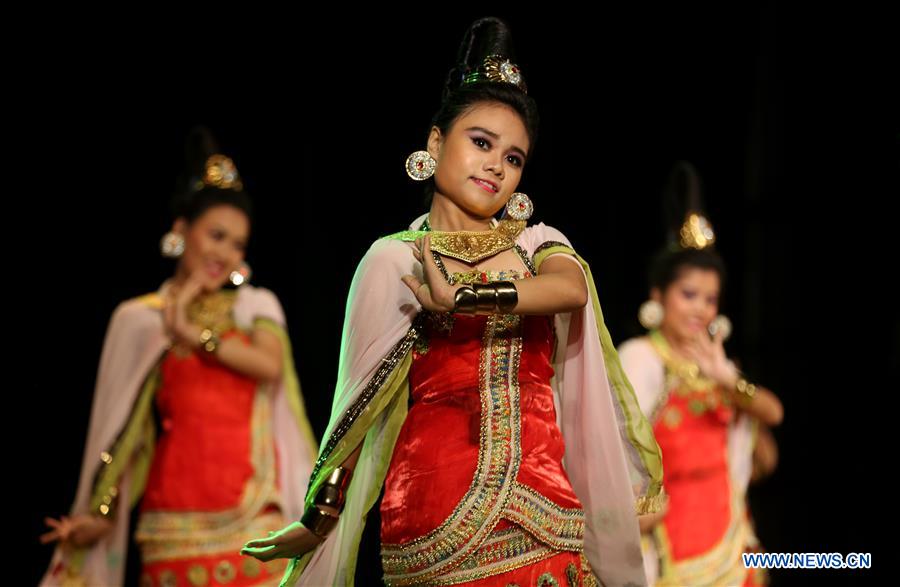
[(588, 579), (649, 505), (470, 246), (198, 576), (478, 276), (671, 417), (426, 558), (683, 375), (501, 552), (467, 245), (388, 364), (562, 528), (133, 445), (213, 311), (225, 572), (572, 575)]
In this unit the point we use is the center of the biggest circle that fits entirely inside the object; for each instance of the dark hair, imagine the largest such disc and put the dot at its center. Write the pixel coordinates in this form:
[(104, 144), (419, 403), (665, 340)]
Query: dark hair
[(669, 264), (682, 194), (484, 37), (192, 197)]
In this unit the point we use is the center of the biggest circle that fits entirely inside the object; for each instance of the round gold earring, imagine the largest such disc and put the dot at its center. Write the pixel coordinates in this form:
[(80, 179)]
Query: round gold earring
[(420, 165)]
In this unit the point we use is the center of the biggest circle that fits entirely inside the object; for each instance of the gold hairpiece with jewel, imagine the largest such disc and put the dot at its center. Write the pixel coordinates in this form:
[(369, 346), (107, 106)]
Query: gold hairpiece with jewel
[(496, 68), (696, 232), (220, 172)]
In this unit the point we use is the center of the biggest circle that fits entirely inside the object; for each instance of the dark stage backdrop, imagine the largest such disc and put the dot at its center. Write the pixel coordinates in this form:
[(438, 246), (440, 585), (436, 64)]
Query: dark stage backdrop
[(786, 116)]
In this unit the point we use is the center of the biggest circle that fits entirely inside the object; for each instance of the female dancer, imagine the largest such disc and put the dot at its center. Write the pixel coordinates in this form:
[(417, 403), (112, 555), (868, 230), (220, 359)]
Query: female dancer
[(493, 329), (197, 413), (705, 414)]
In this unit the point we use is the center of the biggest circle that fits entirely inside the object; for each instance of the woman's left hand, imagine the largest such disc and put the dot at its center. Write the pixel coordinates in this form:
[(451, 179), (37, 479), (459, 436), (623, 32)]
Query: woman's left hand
[(291, 541), (435, 294), (709, 354)]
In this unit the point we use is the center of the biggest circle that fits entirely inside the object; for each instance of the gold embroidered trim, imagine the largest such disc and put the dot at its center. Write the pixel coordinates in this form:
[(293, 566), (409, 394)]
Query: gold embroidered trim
[(561, 528), (388, 364), (499, 456)]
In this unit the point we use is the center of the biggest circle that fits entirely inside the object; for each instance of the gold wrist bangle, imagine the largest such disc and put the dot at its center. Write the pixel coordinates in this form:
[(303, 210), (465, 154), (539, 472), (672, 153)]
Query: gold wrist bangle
[(485, 298), (209, 341), (507, 296), (499, 297), (745, 390), (319, 522), (333, 490), (465, 300), (331, 496)]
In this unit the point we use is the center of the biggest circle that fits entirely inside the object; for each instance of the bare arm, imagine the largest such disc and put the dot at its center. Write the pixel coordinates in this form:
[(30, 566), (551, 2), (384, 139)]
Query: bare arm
[(261, 359), (559, 288), (764, 405), (294, 540), (765, 454), (710, 356)]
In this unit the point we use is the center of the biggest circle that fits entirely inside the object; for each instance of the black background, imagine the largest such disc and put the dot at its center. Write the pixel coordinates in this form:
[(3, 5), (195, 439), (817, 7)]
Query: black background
[(788, 115)]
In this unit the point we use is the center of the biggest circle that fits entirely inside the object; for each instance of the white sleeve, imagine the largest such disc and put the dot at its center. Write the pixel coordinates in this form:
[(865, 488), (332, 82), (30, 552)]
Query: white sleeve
[(645, 370)]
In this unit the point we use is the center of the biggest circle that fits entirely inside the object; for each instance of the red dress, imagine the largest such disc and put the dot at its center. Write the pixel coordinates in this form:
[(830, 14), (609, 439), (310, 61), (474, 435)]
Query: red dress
[(476, 492), (706, 526), (211, 486)]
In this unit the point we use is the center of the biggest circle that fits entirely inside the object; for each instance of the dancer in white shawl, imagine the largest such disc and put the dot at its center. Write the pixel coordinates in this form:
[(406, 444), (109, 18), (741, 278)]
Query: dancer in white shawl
[(232, 449), (494, 330)]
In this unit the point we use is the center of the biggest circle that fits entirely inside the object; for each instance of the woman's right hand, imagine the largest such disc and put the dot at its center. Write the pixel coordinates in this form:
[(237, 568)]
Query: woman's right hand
[(433, 292), (292, 541), (79, 530), (175, 319)]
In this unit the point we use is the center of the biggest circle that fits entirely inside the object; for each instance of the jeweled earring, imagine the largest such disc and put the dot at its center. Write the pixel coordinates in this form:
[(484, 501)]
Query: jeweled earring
[(420, 165)]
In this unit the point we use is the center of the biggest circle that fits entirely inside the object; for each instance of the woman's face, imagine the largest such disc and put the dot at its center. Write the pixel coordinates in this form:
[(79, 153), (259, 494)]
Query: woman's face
[(480, 159), (690, 303), (214, 245)]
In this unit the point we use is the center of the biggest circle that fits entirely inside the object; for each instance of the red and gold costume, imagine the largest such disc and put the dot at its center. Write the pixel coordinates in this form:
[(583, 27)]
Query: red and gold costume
[(211, 457)]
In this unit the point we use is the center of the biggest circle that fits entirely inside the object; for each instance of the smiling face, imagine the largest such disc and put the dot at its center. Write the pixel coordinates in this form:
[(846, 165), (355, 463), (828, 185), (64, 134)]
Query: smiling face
[(480, 159), (690, 303), (215, 244)]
